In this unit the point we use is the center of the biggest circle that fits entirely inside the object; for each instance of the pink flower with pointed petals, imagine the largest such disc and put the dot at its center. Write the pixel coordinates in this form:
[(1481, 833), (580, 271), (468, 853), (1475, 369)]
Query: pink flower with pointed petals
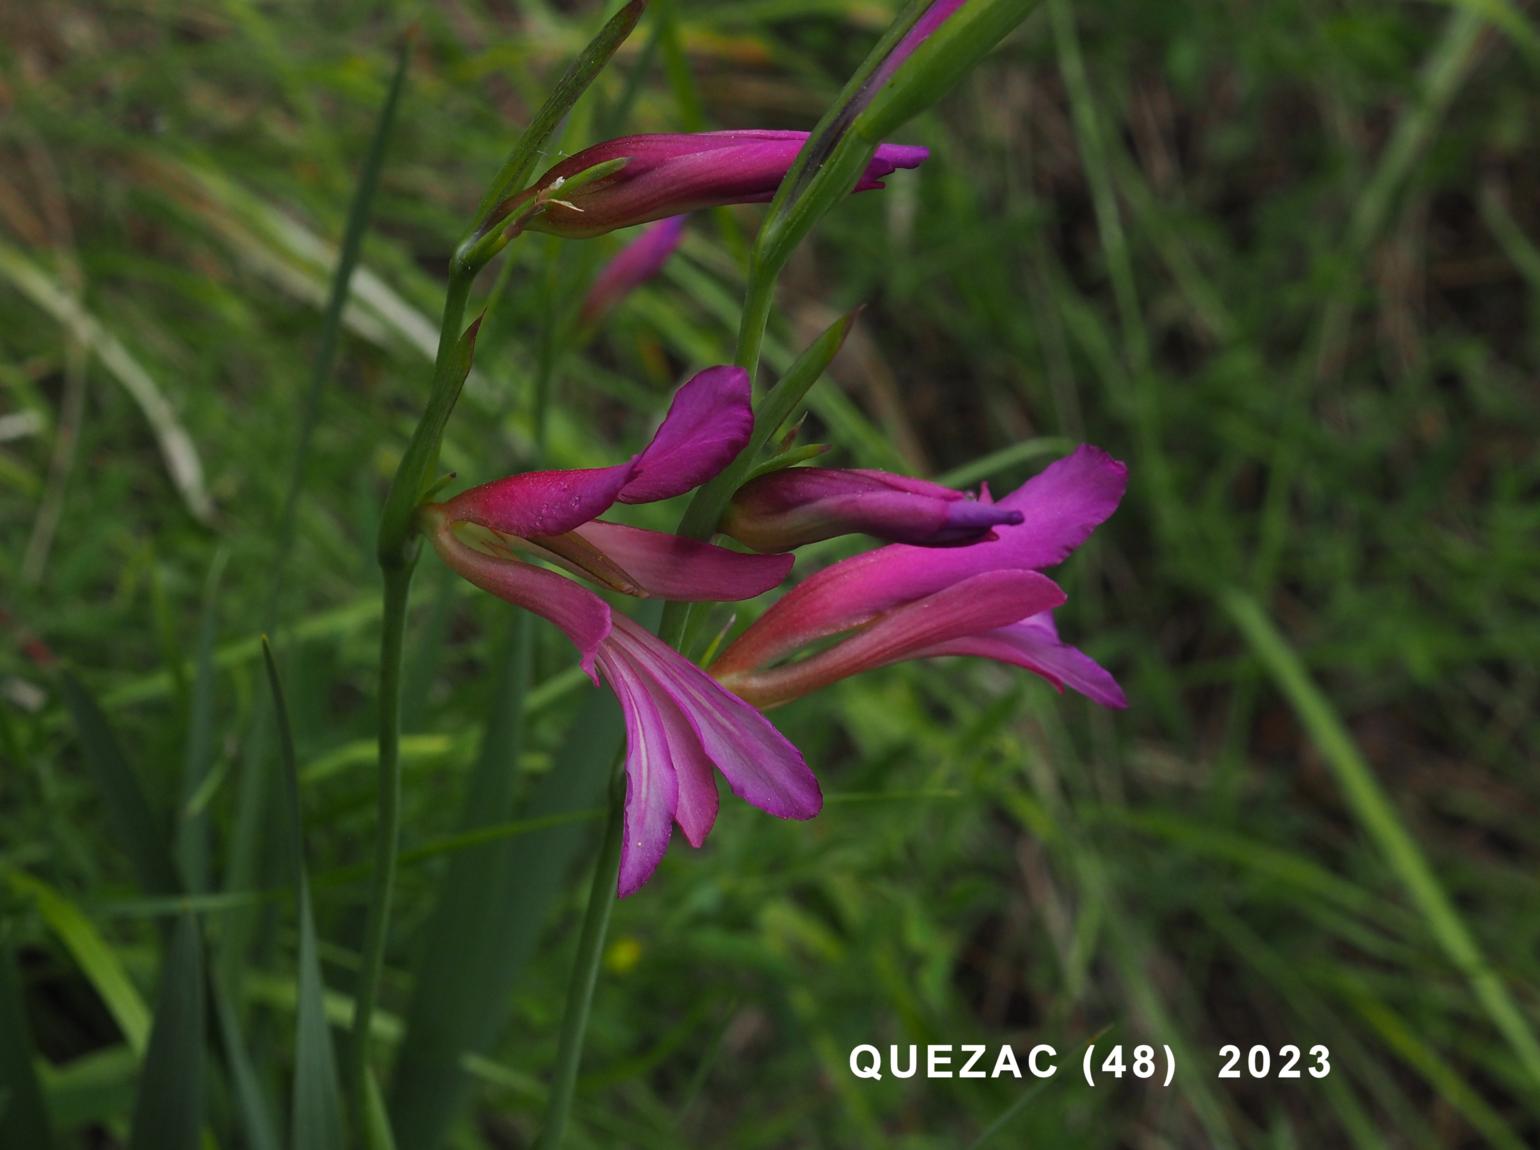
[(802, 505), (634, 265), (670, 174), (681, 724), (986, 599)]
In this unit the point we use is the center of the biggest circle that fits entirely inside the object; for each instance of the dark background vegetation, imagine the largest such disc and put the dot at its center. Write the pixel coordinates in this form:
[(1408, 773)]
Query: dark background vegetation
[(1281, 258)]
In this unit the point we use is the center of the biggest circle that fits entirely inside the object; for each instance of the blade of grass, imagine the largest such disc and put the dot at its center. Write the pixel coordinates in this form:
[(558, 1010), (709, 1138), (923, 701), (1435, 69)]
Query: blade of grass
[(316, 1117), (380, 1135), (521, 161), (253, 807), (92, 953), (1379, 819), (360, 212), (169, 1105), (140, 833), (23, 1118), (192, 822), (176, 446), (462, 994), (130, 815)]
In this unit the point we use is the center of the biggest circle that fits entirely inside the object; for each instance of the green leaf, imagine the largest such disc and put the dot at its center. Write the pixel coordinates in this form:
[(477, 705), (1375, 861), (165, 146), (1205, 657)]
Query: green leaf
[(316, 1121), (495, 899), (380, 1136), (91, 952), (23, 1119), (944, 57), (140, 833), (168, 1110), (418, 470), (520, 164), (1377, 815), (192, 822)]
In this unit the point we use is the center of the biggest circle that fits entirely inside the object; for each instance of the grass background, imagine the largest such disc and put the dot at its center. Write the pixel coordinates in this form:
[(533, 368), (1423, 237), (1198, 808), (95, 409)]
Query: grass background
[(1282, 259)]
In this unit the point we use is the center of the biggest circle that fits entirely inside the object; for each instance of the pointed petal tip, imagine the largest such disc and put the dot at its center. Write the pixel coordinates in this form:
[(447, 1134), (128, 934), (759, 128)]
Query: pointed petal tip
[(706, 427)]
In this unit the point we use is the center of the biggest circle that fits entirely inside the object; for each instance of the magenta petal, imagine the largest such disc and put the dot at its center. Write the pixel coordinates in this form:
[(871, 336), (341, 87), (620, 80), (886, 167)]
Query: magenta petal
[(698, 799), (977, 605), (576, 610), (1062, 506), (671, 174), (541, 502), (673, 567), (1034, 643), (655, 742), (1059, 508), (634, 265), (886, 160), (760, 765), (706, 427)]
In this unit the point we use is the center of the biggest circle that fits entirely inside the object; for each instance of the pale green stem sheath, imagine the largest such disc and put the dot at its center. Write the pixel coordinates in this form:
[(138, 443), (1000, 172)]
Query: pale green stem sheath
[(585, 967)]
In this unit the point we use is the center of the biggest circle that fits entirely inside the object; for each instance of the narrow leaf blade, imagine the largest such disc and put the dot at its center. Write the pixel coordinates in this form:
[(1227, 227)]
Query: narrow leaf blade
[(316, 1121), (168, 1110)]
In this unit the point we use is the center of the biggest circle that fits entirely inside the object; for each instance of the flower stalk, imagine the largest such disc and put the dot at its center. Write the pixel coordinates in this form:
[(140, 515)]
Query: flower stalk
[(585, 966), (397, 545)]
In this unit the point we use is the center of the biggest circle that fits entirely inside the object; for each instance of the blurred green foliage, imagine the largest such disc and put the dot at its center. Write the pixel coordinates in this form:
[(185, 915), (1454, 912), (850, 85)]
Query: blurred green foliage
[(1283, 261)]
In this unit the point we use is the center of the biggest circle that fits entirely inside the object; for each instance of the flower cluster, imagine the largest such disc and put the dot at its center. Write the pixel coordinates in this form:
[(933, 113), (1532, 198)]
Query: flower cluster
[(959, 575), (987, 598), (965, 581)]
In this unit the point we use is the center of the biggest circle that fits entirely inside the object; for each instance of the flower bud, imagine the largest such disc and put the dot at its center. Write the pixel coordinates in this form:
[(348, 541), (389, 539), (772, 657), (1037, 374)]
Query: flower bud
[(800, 505), (637, 179)]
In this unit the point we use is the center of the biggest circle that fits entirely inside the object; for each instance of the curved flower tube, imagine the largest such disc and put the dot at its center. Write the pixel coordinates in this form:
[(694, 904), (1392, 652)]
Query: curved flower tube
[(904, 602), (649, 177), (680, 723)]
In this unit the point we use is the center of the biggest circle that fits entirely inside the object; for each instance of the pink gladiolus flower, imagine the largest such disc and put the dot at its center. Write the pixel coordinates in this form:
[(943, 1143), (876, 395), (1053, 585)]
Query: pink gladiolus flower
[(634, 265), (986, 599), (670, 174), (802, 505), (680, 723)]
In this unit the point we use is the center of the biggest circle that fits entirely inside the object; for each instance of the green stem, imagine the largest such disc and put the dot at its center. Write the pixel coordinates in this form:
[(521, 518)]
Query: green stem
[(757, 301), (398, 582), (396, 538), (397, 552), (585, 968)]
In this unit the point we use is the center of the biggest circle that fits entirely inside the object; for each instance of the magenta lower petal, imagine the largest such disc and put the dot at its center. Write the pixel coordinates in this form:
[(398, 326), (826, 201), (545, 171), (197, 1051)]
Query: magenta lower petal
[(633, 266), (541, 502), (1062, 505), (672, 567), (582, 615), (760, 765), (655, 743), (706, 427), (974, 606), (1035, 645)]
